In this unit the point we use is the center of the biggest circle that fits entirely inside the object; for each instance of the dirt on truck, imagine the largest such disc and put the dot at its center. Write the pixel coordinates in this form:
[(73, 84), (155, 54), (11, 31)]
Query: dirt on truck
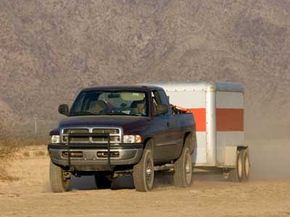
[(120, 130)]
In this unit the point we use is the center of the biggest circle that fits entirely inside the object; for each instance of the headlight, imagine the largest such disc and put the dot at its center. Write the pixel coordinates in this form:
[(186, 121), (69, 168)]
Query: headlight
[(132, 139), (55, 139)]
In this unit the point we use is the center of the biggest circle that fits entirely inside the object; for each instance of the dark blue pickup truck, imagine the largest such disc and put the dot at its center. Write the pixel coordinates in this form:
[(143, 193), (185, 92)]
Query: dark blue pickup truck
[(117, 130)]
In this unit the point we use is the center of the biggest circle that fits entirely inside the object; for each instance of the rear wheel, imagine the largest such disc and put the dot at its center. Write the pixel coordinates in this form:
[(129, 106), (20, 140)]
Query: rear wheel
[(246, 164), (143, 172), (59, 178), (236, 174), (103, 180), (182, 176)]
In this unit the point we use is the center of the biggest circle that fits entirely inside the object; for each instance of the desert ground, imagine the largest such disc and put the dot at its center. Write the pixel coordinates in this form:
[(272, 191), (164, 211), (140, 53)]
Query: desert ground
[(266, 194)]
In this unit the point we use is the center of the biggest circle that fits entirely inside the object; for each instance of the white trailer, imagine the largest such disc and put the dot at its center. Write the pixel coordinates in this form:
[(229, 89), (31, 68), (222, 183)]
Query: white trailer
[(218, 109)]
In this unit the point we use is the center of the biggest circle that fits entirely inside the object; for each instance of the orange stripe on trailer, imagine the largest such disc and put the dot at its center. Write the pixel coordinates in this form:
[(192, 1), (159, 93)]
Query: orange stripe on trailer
[(229, 119), (200, 118), (198, 115)]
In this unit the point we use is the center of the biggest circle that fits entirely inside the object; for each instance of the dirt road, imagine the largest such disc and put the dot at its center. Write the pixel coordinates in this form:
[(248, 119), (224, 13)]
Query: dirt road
[(208, 196)]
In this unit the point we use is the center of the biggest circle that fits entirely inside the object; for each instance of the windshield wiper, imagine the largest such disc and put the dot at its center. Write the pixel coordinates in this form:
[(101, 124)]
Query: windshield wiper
[(116, 113), (83, 113), (109, 113)]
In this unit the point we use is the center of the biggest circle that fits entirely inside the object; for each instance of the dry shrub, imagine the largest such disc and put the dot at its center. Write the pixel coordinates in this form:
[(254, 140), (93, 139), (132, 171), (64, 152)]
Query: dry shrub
[(5, 153), (10, 145), (7, 148), (4, 176), (40, 153)]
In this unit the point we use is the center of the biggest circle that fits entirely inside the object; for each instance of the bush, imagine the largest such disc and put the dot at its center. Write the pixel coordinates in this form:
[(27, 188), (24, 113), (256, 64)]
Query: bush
[(7, 148)]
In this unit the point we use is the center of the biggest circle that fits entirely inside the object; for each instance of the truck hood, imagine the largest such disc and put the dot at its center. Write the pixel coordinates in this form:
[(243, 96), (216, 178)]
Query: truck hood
[(129, 124)]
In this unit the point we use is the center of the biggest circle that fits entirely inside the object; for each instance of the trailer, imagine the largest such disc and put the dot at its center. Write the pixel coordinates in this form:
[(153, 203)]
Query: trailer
[(218, 110)]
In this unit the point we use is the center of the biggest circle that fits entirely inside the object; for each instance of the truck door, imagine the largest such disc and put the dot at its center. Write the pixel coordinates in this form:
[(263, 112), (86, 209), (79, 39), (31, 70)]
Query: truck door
[(165, 143), (177, 133)]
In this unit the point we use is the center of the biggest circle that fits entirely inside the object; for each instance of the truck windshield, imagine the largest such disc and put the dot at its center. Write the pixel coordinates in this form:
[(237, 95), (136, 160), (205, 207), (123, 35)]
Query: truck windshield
[(96, 102)]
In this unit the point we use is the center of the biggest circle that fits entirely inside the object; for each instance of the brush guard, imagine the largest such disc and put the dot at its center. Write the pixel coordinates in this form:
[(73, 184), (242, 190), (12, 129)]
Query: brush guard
[(86, 135)]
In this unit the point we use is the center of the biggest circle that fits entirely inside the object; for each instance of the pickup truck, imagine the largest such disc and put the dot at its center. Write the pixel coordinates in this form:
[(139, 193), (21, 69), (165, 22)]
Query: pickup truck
[(119, 130)]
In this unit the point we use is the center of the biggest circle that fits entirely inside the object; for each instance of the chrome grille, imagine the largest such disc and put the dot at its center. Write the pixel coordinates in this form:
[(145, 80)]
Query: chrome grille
[(75, 139), (115, 135)]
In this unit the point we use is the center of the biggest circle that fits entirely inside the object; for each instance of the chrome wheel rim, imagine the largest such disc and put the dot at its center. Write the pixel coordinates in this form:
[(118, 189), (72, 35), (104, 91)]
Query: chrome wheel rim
[(149, 172), (240, 167), (247, 166)]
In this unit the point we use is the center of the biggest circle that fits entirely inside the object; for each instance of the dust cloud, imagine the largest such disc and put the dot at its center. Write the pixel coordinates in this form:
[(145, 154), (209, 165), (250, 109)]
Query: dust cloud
[(268, 138), (270, 159)]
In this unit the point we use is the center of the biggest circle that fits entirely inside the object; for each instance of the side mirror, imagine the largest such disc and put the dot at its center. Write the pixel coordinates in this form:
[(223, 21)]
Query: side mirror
[(161, 109), (63, 109)]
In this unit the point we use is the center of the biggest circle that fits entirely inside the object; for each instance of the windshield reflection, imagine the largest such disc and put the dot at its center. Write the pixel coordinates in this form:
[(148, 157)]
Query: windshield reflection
[(131, 103)]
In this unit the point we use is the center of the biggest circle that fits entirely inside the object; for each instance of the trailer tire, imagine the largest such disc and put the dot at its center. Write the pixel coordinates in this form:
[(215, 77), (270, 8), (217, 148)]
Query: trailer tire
[(59, 178), (103, 180), (143, 172), (246, 164), (236, 174), (182, 176)]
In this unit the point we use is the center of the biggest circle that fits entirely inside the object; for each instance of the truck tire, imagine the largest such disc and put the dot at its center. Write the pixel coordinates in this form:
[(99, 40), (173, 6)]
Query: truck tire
[(103, 180), (190, 141), (236, 174), (246, 164), (59, 179), (182, 176), (143, 172)]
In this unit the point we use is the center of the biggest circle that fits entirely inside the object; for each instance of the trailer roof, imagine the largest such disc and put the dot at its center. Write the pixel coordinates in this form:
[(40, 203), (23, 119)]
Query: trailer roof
[(124, 87), (201, 85)]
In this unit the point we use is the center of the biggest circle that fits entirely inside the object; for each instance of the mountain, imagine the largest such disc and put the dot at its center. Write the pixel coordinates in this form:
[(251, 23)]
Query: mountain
[(49, 50)]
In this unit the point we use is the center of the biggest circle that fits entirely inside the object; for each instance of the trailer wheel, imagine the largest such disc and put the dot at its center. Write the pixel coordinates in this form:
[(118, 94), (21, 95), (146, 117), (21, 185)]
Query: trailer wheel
[(143, 172), (236, 175), (59, 178), (246, 164), (182, 176), (103, 180)]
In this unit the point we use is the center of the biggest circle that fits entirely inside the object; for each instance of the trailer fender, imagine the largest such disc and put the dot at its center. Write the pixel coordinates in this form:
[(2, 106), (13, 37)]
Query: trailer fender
[(230, 156)]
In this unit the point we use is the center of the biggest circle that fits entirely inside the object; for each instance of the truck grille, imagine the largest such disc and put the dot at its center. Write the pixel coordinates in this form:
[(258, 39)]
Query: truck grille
[(115, 135)]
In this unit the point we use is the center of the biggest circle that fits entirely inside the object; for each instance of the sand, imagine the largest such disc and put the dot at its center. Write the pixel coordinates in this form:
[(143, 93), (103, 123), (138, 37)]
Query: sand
[(209, 195)]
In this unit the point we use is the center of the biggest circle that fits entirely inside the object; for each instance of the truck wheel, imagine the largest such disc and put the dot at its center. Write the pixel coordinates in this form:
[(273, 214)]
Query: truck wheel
[(103, 180), (246, 164), (182, 176), (143, 172), (236, 175), (59, 178)]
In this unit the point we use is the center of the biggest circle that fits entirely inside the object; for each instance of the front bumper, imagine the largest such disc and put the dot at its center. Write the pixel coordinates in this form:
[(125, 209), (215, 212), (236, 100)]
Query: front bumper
[(127, 154)]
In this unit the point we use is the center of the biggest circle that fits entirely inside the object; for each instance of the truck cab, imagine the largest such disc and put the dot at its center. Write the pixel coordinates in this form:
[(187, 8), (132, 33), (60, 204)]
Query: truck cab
[(114, 130)]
